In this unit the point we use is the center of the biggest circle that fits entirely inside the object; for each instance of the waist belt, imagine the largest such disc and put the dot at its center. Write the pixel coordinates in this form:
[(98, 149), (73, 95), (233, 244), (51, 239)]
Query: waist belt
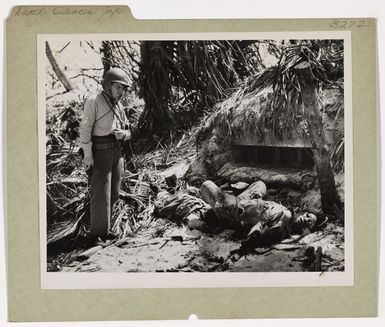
[(105, 142)]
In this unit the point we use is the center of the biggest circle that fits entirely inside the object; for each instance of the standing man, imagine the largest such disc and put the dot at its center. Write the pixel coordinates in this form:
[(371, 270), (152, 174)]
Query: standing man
[(103, 128)]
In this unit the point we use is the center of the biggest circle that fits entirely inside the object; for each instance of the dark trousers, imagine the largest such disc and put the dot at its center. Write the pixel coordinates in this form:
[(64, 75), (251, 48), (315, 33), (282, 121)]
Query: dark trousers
[(105, 180)]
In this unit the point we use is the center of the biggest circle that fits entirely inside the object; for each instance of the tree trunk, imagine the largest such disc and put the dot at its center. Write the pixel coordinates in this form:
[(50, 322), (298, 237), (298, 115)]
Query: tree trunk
[(155, 88), (69, 86), (322, 153), (107, 56)]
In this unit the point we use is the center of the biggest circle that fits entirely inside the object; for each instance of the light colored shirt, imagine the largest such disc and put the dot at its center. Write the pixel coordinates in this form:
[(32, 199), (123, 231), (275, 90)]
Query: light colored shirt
[(99, 119)]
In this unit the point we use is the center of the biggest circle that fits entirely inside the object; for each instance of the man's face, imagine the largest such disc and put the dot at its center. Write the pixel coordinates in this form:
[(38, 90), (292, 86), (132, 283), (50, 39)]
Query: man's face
[(117, 90)]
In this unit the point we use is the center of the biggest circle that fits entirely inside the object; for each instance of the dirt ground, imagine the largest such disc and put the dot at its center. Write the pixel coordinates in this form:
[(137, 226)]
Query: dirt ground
[(163, 246)]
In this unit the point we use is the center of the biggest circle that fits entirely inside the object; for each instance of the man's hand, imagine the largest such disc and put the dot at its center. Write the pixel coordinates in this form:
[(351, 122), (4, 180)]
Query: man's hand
[(122, 134), (88, 162)]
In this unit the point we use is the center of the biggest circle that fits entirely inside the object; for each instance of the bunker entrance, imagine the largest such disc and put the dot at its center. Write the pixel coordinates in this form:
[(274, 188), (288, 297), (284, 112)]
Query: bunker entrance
[(270, 156)]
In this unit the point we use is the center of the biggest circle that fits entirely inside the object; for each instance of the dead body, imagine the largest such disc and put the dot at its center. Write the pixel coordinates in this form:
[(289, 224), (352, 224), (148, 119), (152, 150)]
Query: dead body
[(248, 213), (210, 209)]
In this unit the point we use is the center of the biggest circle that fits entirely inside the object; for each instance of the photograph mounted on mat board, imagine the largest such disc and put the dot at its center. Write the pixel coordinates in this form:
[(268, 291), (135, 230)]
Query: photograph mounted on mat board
[(227, 154)]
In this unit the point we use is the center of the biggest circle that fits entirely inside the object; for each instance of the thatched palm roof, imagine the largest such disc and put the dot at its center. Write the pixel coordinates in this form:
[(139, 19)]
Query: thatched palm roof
[(242, 122)]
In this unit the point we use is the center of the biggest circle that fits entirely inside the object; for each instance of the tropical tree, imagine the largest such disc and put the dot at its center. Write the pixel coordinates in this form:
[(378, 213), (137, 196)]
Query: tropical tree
[(321, 150), (190, 77)]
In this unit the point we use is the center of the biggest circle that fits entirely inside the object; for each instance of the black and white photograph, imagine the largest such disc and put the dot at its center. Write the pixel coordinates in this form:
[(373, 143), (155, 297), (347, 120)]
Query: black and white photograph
[(213, 154)]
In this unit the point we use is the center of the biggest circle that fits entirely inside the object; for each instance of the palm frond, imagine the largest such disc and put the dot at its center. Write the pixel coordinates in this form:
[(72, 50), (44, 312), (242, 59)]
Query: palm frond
[(194, 75)]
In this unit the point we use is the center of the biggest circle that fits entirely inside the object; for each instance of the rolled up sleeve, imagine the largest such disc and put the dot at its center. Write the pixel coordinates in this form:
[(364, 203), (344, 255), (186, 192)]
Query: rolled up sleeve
[(88, 120)]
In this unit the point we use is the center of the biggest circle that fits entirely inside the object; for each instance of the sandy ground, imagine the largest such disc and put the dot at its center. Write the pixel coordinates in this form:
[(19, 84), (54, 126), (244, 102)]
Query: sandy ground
[(163, 246)]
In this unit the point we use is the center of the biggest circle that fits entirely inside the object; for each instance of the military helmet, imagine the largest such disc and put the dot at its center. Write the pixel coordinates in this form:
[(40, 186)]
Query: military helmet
[(116, 75)]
